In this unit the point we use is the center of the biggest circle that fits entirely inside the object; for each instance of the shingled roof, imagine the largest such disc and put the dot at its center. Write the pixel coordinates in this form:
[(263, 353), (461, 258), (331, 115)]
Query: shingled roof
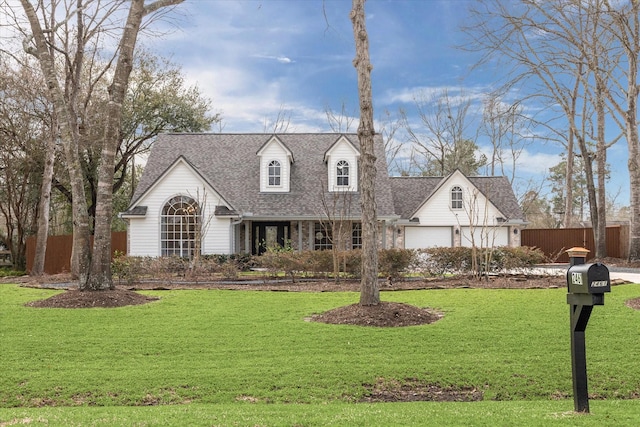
[(409, 193), (230, 165)]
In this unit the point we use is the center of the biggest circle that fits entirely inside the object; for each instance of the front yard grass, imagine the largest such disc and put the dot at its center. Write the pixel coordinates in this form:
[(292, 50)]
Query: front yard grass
[(212, 357)]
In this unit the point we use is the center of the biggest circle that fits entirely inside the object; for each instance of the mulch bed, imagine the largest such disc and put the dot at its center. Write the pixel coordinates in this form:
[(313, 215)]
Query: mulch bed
[(385, 314), (74, 298)]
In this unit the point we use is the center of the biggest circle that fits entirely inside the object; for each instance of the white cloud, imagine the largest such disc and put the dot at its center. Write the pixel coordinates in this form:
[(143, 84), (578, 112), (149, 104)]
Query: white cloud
[(537, 163)]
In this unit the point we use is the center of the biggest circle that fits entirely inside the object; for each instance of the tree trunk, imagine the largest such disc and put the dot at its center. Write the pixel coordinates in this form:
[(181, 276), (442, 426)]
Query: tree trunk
[(81, 252), (631, 127), (601, 164), (100, 276), (369, 291), (43, 207), (633, 141)]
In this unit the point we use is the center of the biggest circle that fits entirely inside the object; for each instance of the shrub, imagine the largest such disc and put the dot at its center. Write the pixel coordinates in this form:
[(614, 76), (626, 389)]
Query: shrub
[(9, 272), (277, 259), (128, 269), (502, 259), (352, 262), (441, 260), (519, 258), (394, 262)]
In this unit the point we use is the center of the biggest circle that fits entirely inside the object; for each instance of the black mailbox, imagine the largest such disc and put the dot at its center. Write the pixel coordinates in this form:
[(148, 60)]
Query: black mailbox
[(588, 279)]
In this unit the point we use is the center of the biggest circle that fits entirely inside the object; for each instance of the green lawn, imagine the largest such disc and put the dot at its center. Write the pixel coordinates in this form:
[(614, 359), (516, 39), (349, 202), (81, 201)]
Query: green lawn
[(210, 357)]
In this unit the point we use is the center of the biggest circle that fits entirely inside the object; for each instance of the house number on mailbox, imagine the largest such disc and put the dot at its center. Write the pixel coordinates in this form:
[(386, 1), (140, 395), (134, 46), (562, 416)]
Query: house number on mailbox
[(576, 278)]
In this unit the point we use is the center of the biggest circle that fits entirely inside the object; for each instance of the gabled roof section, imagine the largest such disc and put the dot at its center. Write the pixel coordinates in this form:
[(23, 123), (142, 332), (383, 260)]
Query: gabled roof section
[(228, 163), (411, 193), (149, 181), (498, 190), (275, 140), (340, 140)]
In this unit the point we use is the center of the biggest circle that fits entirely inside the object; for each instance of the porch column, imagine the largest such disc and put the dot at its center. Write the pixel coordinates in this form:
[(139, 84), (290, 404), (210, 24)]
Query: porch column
[(311, 235), (247, 237)]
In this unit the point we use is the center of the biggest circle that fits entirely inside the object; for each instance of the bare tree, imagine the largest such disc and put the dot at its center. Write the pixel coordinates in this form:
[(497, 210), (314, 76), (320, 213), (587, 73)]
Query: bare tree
[(389, 126), (42, 233), (280, 124), (100, 274), (27, 135), (52, 36), (624, 24), (337, 223), (369, 290), (339, 122), (41, 43), (442, 140), (507, 128), (561, 50)]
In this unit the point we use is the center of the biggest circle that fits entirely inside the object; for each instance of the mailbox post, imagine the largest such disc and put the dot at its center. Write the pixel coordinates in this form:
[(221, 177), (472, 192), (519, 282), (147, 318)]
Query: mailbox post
[(586, 285)]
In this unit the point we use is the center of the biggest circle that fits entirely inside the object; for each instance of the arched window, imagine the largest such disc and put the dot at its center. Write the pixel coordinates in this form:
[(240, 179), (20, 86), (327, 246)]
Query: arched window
[(456, 197), (274, 172), (179, 227), (342, 173)]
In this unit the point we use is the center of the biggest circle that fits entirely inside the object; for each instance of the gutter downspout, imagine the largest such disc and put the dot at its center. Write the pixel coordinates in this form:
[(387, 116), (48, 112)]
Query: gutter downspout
[(232, 234)]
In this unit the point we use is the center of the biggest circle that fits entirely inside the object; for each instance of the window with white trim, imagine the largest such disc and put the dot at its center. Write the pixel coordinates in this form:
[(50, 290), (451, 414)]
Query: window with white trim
[(342, 173), (274, 172), (323, 236), (356, 235), (456, 197), (179, 223)]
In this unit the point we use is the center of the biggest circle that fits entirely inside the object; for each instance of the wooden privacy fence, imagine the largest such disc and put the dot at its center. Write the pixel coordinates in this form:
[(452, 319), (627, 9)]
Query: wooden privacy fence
[(553, 242), (58, 255)]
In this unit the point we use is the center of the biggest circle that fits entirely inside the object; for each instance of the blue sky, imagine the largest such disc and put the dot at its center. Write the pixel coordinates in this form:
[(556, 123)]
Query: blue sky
[(257, 58)]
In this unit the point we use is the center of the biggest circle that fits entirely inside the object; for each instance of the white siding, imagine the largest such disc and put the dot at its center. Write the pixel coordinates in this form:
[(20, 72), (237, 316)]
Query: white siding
[(485, 237), (427, 237), (274, 151), (342, 150), (477, 210), (144, 233)]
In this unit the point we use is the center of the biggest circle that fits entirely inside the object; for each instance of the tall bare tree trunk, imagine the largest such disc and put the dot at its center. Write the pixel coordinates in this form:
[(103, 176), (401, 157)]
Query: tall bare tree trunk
[(633, 142), (601, 162), (369, 291), (81, 253), (43, 207), (631, 127), (100, 275), (626, 24)]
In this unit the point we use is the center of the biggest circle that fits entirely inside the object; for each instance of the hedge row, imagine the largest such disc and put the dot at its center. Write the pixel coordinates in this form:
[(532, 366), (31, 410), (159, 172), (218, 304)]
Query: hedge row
[(392, 263), (499, 260)]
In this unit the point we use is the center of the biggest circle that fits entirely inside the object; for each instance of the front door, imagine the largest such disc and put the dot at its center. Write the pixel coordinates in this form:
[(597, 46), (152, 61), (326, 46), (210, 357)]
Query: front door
[(268, 235)]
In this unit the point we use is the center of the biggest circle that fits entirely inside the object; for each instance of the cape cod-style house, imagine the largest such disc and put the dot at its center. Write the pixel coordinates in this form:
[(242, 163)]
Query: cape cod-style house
[(241, 193)]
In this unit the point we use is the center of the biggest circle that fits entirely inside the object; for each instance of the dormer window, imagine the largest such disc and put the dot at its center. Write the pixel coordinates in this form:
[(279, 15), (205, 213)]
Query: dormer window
[(456, 197), (342, 166), (274, 171), (276, 161), (342, 173)]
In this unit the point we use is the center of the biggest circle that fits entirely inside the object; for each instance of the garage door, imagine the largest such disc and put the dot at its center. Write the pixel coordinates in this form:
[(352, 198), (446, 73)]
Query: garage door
[(427, 237), (485, 237)]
